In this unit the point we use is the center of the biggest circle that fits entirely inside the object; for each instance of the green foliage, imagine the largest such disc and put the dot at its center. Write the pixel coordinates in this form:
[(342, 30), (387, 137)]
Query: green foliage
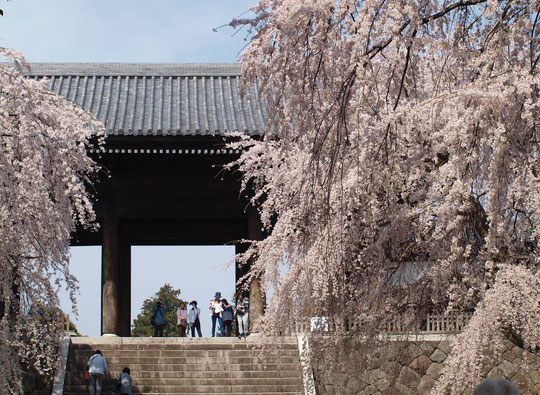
[(169, 298)]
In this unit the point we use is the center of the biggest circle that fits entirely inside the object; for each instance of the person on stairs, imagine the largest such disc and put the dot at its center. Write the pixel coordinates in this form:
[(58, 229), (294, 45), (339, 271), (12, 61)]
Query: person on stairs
[(97, 369), (159, 319), (215, 312), (193, 319), (123, 383), (242, 315), (182, 320), (228, 316)]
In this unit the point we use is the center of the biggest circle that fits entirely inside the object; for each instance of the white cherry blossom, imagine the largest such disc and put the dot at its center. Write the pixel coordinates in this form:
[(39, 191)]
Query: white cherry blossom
[(44, 175), (399, 171)]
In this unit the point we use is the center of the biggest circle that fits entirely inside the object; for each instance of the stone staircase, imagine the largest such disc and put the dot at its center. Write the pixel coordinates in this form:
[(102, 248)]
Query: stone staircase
[(191, 365)]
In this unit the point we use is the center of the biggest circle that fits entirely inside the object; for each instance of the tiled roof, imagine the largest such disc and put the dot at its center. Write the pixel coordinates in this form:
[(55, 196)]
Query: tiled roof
[(159, 99)]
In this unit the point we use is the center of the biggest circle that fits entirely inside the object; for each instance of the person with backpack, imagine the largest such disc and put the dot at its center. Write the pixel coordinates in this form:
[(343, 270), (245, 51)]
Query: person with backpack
[(228, 316), (158, 319), (97, 369), (123, 383), (193, 319), (242, 315)]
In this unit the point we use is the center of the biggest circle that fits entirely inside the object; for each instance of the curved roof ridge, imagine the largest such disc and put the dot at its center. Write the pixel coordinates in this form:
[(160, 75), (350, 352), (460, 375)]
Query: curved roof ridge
[(136, 69)]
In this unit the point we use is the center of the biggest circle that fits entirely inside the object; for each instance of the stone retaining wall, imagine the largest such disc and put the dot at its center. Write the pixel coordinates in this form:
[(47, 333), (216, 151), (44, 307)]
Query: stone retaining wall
[(407, 367)]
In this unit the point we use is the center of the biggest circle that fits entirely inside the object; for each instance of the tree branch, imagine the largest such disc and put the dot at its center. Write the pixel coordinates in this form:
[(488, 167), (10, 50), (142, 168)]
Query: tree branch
[(375, 50)]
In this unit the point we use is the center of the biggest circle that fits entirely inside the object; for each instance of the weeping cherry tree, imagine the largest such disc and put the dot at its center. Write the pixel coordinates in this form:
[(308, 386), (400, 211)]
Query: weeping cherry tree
[(399, 170), (44, 172)]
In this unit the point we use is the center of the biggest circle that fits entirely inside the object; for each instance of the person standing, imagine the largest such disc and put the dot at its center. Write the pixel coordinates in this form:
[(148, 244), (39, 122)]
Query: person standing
[(242, 315), (182, 319), (215, 313), (193, 319), (159, 319), (97, 369), (228, 316)]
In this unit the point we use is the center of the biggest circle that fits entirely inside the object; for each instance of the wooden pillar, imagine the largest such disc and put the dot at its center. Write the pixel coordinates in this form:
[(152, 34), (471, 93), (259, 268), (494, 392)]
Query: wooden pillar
[(256, 300), (110, 298), (124, 281), (257, 297)]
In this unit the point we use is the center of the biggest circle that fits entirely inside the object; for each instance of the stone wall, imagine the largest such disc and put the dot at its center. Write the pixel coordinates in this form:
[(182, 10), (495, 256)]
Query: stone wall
[(404, 367)]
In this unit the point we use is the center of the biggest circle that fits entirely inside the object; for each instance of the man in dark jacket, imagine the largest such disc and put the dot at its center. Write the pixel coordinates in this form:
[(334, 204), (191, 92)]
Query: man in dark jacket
[(159, 319)]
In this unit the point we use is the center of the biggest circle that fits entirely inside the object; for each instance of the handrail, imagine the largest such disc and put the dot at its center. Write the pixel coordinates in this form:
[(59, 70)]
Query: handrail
[(60, 374)]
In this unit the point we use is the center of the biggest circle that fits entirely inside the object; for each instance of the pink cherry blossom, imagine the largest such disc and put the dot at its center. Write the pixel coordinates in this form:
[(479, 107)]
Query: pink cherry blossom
[(399, 170), (44, 173)]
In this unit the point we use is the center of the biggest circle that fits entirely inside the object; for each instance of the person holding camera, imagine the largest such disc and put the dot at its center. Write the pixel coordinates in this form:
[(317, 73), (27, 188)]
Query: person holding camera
[(158, 319), (242, 315), (216, 309)]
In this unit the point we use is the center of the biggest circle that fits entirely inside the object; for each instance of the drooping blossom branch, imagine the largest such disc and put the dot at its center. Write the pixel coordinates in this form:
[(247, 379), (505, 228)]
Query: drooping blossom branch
[(44, 172), (399, 171), (514, 301)]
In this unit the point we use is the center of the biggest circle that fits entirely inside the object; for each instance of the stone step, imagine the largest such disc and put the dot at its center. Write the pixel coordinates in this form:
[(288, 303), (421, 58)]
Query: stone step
[(136, 392), (235, 374), (179, 389), (182, 367), (210, 381), (77, 353), (181, 346), (192, 365), (198, 361), (250, 340)]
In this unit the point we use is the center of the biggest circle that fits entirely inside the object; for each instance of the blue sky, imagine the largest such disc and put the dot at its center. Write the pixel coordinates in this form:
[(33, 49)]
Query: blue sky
[(198, 271), (164, 31), (123, 30)]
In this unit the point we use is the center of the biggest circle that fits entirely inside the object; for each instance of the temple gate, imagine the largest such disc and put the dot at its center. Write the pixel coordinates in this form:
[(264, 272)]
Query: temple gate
[(161, 181)]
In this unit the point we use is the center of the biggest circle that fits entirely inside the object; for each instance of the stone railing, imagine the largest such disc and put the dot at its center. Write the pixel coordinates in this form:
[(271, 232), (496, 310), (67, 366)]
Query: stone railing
[(410, 362), (447, 323), (434, 324)]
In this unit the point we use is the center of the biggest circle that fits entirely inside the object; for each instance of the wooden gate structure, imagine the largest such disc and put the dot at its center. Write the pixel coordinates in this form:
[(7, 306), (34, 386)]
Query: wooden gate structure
[(162, 181)]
